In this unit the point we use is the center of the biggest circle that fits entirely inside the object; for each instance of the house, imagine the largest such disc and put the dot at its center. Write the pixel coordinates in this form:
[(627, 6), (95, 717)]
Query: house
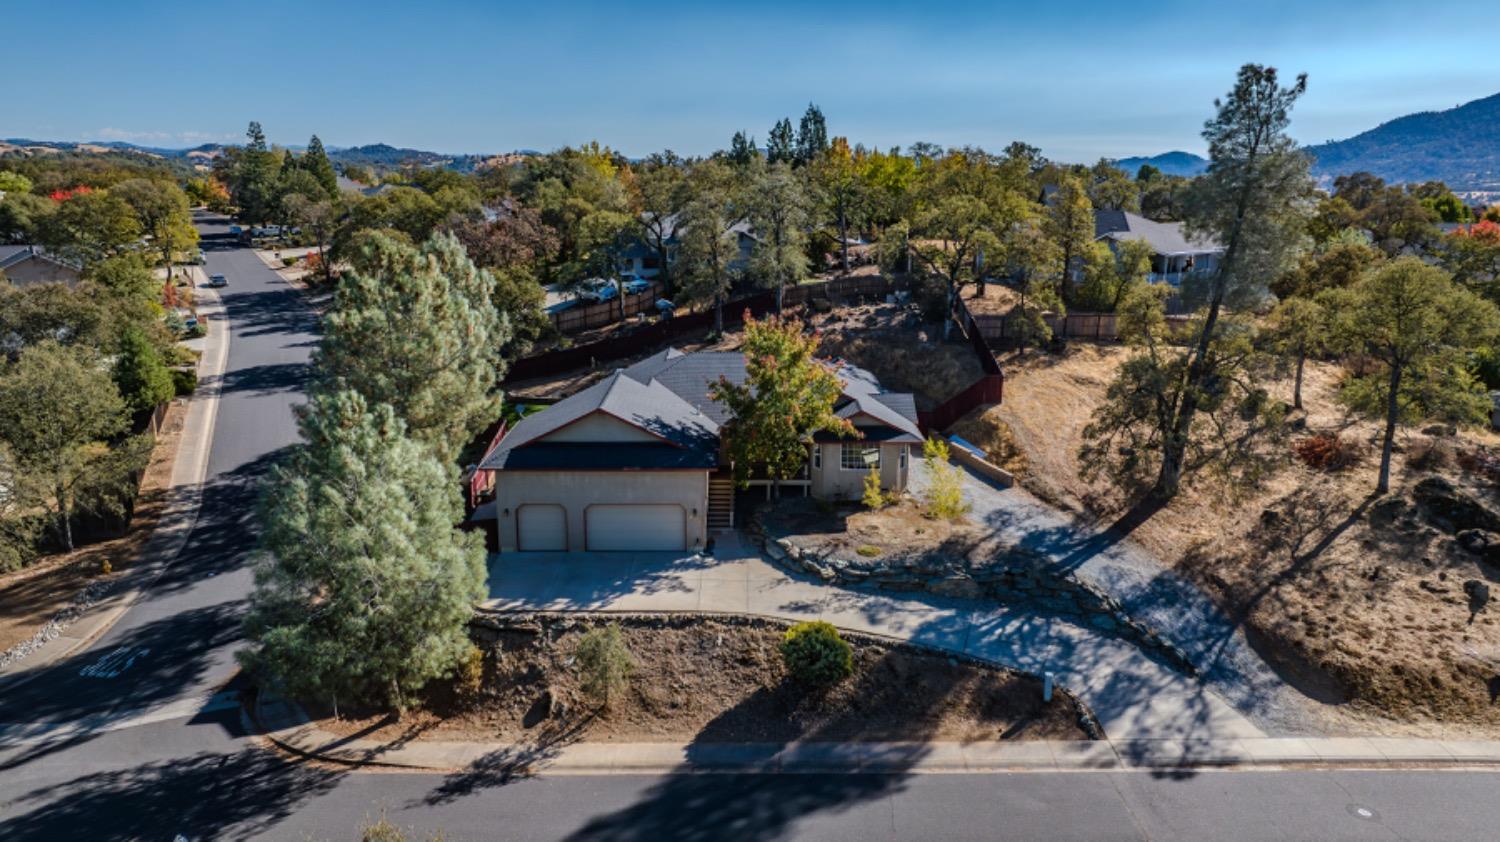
[(1174, 254), (640, 259), (635, 461), (31, 265)]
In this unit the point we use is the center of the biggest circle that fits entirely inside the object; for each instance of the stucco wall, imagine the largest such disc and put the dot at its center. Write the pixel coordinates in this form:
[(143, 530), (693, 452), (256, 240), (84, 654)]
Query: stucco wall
[(38, 271), (833, 482), (599, 427), (575, 491)]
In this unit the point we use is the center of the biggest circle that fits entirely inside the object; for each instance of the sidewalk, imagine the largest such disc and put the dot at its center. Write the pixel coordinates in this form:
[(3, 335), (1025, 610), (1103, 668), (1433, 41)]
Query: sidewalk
[(284, 724), (173, 527), (1132, 695)]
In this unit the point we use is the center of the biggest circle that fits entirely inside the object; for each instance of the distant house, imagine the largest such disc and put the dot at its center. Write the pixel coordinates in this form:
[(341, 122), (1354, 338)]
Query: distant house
[(635, 462), (32, 265), (1174, 255), (641, 260)]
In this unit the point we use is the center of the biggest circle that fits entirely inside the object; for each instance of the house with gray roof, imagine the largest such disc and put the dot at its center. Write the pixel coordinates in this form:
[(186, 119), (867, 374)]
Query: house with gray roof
[(31, 265), (1174, 254), (635, 462), (640, 260)]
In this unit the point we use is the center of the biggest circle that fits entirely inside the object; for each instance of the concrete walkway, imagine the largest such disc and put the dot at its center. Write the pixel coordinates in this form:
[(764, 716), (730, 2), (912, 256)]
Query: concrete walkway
[(1133, 696), (1150, 592)]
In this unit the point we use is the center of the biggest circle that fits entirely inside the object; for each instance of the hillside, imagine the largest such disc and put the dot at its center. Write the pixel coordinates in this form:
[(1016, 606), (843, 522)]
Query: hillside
[(1460, 146), (1171, 163)]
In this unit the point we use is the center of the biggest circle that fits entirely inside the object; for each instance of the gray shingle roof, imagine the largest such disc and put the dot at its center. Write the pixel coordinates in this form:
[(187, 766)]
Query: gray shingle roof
[(1163, 237)]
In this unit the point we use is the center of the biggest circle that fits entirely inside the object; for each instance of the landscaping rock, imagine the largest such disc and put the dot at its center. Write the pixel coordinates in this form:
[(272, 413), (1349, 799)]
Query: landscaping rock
[(1452, 508), (1479, 595)]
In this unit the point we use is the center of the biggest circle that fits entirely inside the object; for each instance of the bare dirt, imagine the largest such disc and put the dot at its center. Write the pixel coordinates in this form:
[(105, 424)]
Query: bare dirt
[(721, 680), (1365, 613), (30, 597), (904, 353), (898, 530)]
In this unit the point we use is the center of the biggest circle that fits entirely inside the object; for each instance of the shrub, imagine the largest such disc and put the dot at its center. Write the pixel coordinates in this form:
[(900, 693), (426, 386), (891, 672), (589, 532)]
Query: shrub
[(184, 380), (1325, 452), (815, 654), (604, 663), (198, 331), (468, 673), (873, 499), (868, 550), (944, 495), (289, 261)]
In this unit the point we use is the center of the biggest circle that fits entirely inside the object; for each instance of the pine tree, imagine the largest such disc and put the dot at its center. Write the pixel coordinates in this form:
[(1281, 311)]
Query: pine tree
[(742, 149), (781, 146), (416, 328), (812, 135), (316, 162), (367, 588)]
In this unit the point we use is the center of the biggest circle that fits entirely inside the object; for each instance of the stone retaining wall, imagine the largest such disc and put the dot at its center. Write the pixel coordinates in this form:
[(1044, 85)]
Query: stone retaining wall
[(1018, 576)]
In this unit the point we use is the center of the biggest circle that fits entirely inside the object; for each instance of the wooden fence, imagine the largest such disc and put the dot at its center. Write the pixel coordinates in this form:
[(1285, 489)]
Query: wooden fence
[(645, 337), (1002, 330), (988, 389), (589, 316)]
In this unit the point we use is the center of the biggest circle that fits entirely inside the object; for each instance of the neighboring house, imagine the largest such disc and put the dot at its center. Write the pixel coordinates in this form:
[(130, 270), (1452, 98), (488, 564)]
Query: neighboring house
[(635, 462), (1174, 255), (641, 260), (31, 265)]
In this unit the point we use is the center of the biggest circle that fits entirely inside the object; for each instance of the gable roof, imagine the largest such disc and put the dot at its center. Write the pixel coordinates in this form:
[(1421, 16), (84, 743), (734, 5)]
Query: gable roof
[(691, 434), (1164, 237)]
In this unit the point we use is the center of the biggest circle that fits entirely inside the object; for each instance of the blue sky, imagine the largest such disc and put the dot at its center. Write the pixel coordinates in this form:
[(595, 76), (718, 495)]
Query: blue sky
[(1080, 79)]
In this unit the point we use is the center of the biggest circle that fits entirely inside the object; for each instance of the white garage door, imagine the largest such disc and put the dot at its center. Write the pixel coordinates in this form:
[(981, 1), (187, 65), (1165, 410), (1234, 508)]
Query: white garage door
[(635, 527), (541, 527)]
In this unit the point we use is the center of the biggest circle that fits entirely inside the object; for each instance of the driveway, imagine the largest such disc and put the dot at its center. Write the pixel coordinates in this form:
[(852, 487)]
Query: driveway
[(1133, 696)]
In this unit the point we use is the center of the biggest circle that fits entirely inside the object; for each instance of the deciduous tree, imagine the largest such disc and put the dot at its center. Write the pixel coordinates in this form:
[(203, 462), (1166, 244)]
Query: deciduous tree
[(778, 214)]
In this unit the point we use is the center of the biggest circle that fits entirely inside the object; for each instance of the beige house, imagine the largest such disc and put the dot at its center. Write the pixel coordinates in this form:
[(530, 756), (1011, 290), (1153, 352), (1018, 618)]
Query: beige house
[(31, 265), (634, 463)]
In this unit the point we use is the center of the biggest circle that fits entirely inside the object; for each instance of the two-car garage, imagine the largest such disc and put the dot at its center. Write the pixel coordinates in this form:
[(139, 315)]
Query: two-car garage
[(606, 527)]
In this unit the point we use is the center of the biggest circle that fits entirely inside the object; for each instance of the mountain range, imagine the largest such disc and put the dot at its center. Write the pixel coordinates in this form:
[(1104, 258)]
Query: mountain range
[(1459, 146)]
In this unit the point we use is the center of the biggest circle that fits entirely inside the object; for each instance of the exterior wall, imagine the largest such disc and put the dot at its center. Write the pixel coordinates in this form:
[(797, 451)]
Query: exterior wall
[(599, 428), (834, 482), (575, 491), (38, 271)]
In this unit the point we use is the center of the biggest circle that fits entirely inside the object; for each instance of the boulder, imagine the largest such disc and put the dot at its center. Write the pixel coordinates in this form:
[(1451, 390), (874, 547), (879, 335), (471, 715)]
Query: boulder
[(1478, 593), (1452, 508), (1477, 540)]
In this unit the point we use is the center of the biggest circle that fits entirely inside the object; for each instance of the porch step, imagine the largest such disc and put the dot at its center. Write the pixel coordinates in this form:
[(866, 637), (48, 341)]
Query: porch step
[(720, 503)]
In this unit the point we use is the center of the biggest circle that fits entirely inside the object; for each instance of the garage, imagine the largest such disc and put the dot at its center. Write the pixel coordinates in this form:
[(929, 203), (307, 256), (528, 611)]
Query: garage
[(541, 527), (635, 527)]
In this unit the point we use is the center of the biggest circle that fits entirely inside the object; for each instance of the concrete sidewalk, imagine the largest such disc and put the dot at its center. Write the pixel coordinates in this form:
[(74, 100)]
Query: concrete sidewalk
[(82, 624), (1132, 695), (285, 725)]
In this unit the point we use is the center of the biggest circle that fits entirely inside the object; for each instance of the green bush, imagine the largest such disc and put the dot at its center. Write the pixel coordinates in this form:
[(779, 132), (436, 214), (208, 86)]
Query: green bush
[(944, 494), (604, 663), (873, 498), (198, 331), (184, 380), (468, 673), (289, 261), (816, 656)]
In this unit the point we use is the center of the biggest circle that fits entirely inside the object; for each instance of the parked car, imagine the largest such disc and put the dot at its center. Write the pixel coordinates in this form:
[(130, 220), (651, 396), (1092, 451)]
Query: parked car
[(597, 290), (218, 281), (195, 258), (665, 308), (636, 286)]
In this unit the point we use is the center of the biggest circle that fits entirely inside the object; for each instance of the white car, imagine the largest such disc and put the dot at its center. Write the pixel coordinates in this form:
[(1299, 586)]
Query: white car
[(597, 290)]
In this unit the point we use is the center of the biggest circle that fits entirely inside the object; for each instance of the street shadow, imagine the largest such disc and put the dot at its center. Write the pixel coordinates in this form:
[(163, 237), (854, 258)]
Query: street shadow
[(205, 796), (275, 311), (267, 379)]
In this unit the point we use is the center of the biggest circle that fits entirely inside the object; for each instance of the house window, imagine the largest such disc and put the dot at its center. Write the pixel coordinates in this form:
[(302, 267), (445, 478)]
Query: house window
[(902, 461), (817, 457), (856, 456)]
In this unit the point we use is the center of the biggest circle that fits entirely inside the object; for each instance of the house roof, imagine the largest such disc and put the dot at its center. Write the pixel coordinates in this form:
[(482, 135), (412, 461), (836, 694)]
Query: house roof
[(652, 408), (11, 256), (1163, 237), (667, 395)]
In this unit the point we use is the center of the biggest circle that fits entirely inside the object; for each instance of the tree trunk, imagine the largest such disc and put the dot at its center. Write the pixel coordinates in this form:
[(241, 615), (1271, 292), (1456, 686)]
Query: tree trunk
[(844, 241), (1392, 411), (1297, 383), (62, 514), (948, 316), (780, 292), (1174, 445), (719, 313)]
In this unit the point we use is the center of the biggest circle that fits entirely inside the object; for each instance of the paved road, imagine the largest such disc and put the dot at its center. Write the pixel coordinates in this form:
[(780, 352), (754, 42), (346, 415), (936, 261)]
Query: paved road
[(174, 765)]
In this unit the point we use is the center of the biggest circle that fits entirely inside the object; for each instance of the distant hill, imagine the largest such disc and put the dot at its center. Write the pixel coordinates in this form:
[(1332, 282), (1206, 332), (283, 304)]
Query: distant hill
[(1460, 146), (1170, 163), (383, 156)]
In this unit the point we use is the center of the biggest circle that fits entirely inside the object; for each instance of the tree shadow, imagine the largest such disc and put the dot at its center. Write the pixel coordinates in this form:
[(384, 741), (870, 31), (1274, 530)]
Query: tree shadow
[(199, 797), (507, 765)]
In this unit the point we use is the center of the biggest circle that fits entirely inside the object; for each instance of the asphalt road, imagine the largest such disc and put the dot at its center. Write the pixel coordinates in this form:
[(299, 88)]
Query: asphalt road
[(163, 762)]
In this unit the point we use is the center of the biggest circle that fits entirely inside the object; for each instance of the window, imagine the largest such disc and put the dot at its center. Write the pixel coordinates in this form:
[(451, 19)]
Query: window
[(856, 456), (817, 457), (902, 463)]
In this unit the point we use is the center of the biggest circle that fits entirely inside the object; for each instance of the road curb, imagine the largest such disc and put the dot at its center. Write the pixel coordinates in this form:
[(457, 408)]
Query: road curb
[(287, 726), (173, 528)]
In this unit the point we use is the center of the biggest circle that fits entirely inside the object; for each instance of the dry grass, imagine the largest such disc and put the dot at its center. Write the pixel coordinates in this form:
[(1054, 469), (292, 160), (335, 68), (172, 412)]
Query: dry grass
[(904, 354), (1371, 620)]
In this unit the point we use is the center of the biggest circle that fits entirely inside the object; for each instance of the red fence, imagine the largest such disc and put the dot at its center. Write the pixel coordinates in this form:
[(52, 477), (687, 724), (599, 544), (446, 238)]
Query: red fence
[(654, 334)]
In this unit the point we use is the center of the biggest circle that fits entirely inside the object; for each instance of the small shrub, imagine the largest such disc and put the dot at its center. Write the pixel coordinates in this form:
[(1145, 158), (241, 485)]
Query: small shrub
[(604, 663), (944, 495), (816, 656), (198, 331), (468, 673), (184, 380), (868, 550), (1325, 452), (105, 567), (289, 261), (873, 498)]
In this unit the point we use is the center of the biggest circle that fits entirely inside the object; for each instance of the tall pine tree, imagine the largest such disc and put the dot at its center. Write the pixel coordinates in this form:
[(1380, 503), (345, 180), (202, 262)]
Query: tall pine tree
[(316, 162)]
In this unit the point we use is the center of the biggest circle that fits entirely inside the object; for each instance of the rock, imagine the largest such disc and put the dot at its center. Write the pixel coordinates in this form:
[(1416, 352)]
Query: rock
[(1479, 595), (957, 587), (1452, 508), (1477, 540)]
